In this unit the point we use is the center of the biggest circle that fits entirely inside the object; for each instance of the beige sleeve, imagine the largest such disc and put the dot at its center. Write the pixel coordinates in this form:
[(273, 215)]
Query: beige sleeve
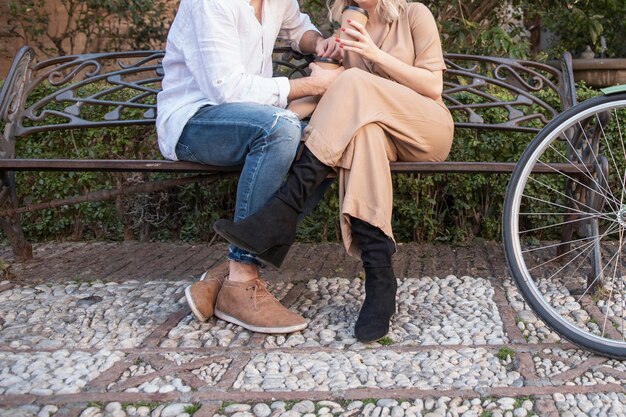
[(426, 41)]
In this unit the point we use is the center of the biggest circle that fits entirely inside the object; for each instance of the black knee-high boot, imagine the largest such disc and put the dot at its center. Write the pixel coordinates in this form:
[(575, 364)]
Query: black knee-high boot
[(380, 282), (270, 231)]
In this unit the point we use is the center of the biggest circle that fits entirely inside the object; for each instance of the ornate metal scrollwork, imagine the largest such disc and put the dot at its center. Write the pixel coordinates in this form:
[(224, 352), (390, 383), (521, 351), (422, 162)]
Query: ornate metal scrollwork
[(112, 86), (12, 99), (475, 87), (91, 90), (290, 63)]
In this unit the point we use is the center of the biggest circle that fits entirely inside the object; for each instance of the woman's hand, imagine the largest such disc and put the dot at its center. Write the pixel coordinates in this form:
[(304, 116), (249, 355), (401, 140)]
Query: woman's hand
[(363, 45), (328, 48)]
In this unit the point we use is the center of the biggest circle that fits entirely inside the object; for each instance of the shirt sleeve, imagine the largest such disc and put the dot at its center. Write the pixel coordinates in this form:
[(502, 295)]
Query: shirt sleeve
[(426, 41), (295, 24), (283, 90), (214, 59)]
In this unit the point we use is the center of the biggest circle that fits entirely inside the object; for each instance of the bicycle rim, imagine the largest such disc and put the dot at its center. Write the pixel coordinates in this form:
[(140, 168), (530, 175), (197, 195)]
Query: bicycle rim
[(564, 225)]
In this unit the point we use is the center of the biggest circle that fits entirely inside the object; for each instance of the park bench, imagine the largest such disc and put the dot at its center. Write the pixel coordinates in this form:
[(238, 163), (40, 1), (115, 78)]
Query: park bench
[(475, 88)]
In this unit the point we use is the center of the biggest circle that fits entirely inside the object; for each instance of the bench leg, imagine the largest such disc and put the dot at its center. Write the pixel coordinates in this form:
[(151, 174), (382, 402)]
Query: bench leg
[(22, 249)]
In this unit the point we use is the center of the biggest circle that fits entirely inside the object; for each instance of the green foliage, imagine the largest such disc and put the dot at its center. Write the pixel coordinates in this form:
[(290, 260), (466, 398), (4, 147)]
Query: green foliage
[(191, 409), (318, 12), (505, 353), (578, 23), (480, 28), (385, 341), (474, 26), (94, 25), (444, 207)]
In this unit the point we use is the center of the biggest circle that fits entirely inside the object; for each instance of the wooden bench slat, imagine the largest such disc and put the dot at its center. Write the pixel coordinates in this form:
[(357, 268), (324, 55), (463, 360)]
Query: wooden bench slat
[(112, 165)]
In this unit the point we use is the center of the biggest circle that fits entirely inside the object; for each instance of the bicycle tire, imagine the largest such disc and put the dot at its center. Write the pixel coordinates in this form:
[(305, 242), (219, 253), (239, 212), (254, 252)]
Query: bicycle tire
[(574, 282)]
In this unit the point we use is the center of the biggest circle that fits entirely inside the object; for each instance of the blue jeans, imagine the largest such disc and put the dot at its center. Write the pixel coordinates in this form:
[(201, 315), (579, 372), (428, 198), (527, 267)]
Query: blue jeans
[(264, 139)]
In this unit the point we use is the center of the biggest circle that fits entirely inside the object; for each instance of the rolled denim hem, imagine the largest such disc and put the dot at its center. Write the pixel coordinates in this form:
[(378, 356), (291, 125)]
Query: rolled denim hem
[(242, 256)]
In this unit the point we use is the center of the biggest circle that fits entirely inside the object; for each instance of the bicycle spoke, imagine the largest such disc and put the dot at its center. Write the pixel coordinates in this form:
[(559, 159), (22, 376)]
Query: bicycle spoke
[(606, 316), (587, 246), (574, 179), (565, 233), (586, 216), (595, 157), (599, 275), (556, 259), (560, 193), (609, 148), (554, 245)]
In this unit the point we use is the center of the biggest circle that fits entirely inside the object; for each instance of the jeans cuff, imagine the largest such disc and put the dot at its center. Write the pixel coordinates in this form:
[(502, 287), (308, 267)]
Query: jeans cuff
[(239, 255)]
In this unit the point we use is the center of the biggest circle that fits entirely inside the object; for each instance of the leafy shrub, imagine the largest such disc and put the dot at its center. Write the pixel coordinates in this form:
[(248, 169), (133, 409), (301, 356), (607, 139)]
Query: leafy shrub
[(578, 23), (446, 207), (90, 25)]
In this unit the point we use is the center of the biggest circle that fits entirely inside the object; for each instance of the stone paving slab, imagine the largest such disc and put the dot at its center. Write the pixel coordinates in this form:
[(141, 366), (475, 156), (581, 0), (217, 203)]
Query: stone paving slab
[(116, 339)]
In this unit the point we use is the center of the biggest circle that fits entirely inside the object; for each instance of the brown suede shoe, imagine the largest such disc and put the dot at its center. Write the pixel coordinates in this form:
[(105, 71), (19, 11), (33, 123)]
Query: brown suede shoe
[(201, 295), (251, 306)]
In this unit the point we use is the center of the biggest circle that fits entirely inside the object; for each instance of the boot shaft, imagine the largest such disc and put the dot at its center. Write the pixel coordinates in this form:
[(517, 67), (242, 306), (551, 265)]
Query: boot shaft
[(376, 247), (306, 174)]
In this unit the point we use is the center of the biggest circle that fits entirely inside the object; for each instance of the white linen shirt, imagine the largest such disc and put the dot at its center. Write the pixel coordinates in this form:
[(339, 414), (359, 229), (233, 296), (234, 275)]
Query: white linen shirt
[(218, 52)]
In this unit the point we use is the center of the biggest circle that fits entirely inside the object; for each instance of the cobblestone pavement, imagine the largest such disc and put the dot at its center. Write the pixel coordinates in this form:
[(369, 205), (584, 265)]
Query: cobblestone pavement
[(102, 330)]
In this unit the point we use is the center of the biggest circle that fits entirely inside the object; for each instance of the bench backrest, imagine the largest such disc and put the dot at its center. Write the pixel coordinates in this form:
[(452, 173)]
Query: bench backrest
[(120, 88)]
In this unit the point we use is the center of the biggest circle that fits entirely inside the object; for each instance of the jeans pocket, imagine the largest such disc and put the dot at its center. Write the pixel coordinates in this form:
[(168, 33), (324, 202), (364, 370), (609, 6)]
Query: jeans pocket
[(184, 153)]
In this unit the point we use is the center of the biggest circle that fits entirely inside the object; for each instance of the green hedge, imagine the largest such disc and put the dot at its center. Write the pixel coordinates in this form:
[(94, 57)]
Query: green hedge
[(445, 207)]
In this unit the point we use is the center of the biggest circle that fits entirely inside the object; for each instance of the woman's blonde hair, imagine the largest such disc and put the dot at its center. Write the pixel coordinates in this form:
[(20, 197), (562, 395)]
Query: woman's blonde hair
[(388, 10)]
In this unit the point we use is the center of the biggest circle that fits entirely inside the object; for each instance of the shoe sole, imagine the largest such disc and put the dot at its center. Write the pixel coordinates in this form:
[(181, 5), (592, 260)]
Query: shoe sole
[(269, 330), (377, 339), (192, 305), (371, 340)]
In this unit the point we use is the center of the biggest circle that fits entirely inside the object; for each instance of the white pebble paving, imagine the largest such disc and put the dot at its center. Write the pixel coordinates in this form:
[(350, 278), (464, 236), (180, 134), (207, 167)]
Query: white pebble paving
[(431, 407), (469, 368), (87, 315), (596, 405), (552, 366), (551, 363), (431, 311), (212, 373), (45, 373), (117, 409), (533, 329), (29, 411)]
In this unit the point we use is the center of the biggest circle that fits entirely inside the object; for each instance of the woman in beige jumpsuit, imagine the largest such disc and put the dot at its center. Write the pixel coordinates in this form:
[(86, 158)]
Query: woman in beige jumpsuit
[(385, 107)]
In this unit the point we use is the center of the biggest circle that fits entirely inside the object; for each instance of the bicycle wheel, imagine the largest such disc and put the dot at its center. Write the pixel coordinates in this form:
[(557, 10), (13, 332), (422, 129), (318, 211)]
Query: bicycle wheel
[(564, 225)]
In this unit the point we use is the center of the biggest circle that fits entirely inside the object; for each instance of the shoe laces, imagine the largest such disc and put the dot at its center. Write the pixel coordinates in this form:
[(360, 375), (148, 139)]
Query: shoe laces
[(260, 292)]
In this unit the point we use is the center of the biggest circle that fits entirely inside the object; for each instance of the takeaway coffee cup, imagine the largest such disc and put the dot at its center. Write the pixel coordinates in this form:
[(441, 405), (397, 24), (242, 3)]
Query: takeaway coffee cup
[(327, 63), (305, 106), (355, 14)]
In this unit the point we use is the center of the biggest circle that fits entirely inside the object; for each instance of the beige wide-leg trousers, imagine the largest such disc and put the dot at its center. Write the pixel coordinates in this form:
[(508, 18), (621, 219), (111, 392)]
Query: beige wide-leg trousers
[(361, 124)]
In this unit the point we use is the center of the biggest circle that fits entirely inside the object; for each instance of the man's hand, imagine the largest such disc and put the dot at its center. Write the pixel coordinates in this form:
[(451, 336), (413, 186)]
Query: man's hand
[(316, 84), (324, 77), (328, 48)]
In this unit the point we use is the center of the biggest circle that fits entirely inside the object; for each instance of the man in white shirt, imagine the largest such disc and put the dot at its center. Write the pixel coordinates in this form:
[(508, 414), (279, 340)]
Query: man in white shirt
[(221, 105)]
